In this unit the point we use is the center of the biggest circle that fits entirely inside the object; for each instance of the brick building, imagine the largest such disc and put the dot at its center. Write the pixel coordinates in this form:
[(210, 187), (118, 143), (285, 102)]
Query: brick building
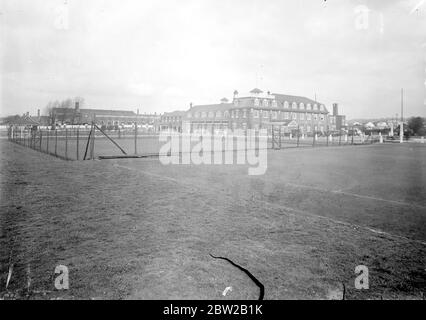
[(259, 110), (101, 116)]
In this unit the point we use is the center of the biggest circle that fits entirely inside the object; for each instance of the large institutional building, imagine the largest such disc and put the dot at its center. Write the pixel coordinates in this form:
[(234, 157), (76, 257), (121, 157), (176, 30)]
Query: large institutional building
[(257, 110), (105, 117)]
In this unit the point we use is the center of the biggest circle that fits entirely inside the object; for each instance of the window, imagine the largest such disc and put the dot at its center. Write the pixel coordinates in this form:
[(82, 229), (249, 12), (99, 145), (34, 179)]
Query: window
[(286, 115), (285, 104), (322, 117), (218, 114), (265, 103), (265, 114), (301, 105), (274, 114), (189, 115), (211, 114), (309, 106), (226, 114), (308, 116), (315, 106), (203, 114), (302, 116), (256, 102), (315, 117), (294, 116), (322, 107), (244, 113), (236, 114), (255, 114), (308, 128), (294, 105), (274, 103)]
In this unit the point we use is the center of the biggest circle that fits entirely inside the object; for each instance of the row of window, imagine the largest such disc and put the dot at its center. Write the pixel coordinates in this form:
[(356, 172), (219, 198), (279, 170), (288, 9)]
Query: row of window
[(257, 114), (286, 105), (171, 118), (234, 125)]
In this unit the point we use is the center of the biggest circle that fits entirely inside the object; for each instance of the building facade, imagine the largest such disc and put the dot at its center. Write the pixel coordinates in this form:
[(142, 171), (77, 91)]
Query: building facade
[(171, 121), (259, 110), (101, 116)]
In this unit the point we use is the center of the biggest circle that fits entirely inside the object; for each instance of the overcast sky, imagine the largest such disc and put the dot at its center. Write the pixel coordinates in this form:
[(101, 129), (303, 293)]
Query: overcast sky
[(161, 55)]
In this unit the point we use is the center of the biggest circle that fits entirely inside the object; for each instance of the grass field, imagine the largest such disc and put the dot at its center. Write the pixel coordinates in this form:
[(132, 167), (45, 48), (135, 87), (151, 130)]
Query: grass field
[(134, 228)]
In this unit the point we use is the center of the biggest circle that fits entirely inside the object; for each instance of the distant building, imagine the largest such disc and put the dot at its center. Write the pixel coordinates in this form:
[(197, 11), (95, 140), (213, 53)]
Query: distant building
[(259, 110), (101, 116), (171, 121)]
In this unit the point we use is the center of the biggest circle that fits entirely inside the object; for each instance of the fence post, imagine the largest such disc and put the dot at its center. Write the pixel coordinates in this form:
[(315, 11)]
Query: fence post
[(92, 147), (66, 143), (47, 141), (279, 132), (136, 138), (298, 134), (78, 139), (56, 142)]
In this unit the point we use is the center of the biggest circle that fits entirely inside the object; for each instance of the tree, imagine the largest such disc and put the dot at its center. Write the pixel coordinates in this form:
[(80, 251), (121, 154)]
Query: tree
[(416, 124)]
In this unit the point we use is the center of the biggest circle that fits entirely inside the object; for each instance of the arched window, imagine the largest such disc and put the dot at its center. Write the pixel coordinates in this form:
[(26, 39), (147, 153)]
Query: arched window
[(218, 114), (294, 105), (265, 103), (226, 114), (301, 105), (309, 106), (256, 102), (315, 106)]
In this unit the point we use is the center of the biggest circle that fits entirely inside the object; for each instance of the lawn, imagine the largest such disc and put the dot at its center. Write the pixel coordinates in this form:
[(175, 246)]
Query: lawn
[(134, 228)]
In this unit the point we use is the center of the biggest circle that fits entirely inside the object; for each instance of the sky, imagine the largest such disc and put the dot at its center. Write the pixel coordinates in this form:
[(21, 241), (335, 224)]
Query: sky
[(161, 55)]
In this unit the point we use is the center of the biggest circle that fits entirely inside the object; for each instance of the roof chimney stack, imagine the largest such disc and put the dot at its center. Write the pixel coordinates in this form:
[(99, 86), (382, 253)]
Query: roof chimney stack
[(335, 109)]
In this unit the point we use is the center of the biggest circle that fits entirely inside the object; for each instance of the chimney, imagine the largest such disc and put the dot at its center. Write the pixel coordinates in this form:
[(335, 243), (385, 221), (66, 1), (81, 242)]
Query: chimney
[(335, 109), (77, 106), (38, 114), (235, 94)]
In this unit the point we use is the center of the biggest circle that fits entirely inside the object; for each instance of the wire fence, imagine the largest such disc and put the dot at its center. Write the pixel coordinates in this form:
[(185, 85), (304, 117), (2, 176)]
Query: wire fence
[(96, 143)]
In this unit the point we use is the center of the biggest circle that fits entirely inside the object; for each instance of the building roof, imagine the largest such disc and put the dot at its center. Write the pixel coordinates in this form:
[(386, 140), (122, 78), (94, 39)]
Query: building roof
[(211, 107), (298, 99), (97, 111), (256, 90), (25, 121), (174, 114)]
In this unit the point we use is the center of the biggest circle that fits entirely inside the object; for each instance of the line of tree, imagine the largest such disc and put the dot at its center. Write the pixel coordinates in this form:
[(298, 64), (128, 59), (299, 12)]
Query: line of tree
[(417, 126), (67, 106)]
